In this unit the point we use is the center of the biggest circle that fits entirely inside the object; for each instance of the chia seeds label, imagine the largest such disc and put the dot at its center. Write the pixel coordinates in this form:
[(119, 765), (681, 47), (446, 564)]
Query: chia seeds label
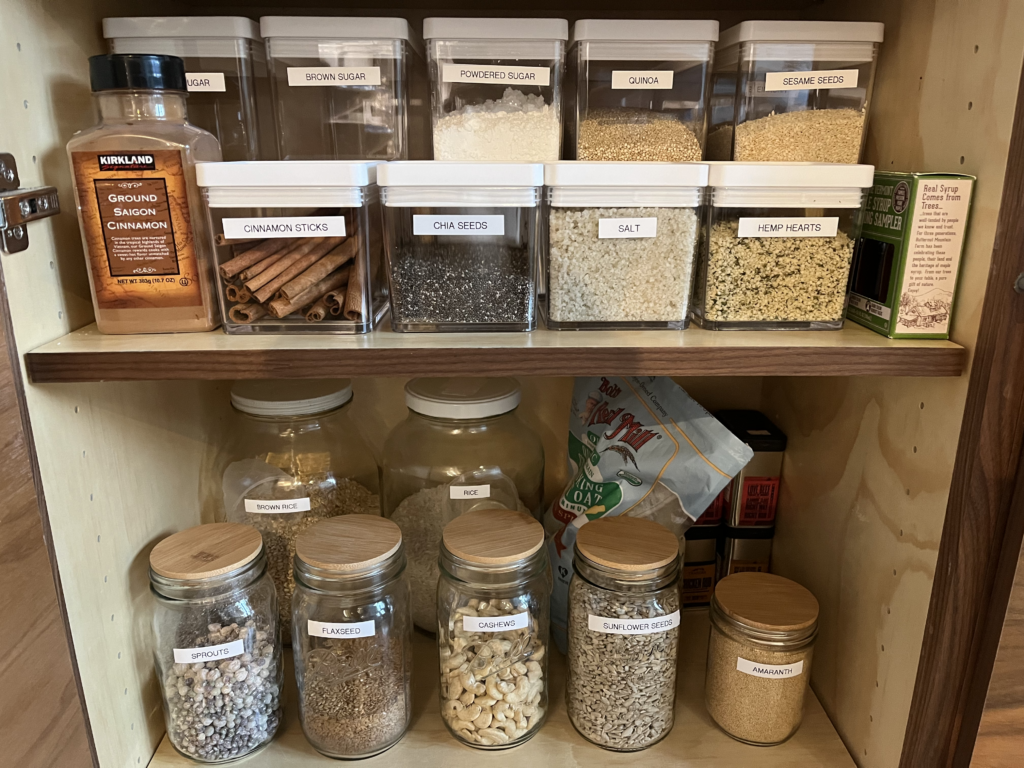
[(469, 492), (632, 626), (627, 228), (276, 506), (313, 76), (655, 80), (496, 623), (209, 653), (285, 226), (796, 226), (458, 225), (341, 629), (810, 81), (205, 82), (771, 671), (486, 73)]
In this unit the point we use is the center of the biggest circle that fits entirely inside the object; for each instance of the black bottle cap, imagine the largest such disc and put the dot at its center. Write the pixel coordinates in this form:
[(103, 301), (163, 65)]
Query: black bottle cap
[(143, 71)]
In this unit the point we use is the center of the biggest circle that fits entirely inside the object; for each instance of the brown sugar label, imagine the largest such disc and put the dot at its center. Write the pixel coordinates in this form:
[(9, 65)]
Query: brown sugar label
[(138, 229)]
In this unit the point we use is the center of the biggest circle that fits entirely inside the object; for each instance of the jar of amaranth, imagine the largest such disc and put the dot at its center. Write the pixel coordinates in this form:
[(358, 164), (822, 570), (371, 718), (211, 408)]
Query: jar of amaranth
[(216, 641), (623, 633), (352, 635), (759, 656)]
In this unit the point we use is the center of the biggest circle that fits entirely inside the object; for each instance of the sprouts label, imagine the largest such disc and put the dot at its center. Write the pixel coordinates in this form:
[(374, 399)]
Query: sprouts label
[(469, 492), (630, 228), (496, 623), (487, 73), (769, 670), (632, 79), (458, 225), (311, 76), (205, 82), (809, 81), (276, 506), (209, 653), (633, 626), (798, 226), (284, 226), (341, 629)]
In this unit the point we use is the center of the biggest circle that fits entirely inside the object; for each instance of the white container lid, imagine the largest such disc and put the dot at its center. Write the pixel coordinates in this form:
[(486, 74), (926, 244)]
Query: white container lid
[(436, 173), (439, 28), (462, 398), (646, 31), (803, 32), (335, 27), (791, 175), (615, 174), (181, 26), (287, 173), (282, 397)]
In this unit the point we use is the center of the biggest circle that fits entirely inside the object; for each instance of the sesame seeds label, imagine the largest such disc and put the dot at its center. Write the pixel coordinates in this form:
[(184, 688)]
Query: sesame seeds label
[(458, 225), (627, 228), (770, 671), (798, 226), (341, 629), (278, 506), (469, 491), (611, 626), (209, 653), (310, 76), (636, 79), (496, 623), (285, 226), (479, 73), (809, 81), (205, 82)]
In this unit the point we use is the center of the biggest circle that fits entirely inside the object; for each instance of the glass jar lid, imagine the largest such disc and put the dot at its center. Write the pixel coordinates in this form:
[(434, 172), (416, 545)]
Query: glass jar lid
[(462, 398), (498, 537), (206, 552), (766, 607), (348, 544), (626, 553), (284, 397)]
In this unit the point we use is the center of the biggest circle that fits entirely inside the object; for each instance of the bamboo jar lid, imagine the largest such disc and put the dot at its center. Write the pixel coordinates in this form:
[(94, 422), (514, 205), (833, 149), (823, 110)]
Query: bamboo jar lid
[(493, 536), (766, 601), (627, 543), (205, 551), (348, 542)]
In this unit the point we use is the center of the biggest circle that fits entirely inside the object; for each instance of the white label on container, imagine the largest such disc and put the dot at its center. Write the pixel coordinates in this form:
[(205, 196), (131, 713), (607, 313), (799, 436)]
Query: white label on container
[(632, 79), (458, 225), (607, 228), (769, 670), (633, 626), (205, 82), (344, 629), (276, 506), (496, 623), (209, 653), (469, 492), (285, 226), (809, 81), (797, 226), (487, 73), (306, 76), (869, 306)]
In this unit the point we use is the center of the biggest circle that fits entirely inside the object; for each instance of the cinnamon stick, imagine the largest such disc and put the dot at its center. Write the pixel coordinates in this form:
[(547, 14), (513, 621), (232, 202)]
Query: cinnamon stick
[(335, 301), (250, 272), (293, 254), (318, 311), (283, 307), (221, 240), (295, 268), (238, 294), (246, 313), (321, 269), (259, 252), (354, 296)]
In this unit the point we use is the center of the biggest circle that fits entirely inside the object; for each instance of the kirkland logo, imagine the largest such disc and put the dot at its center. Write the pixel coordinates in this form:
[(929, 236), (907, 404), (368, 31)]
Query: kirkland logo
[(127, 163)]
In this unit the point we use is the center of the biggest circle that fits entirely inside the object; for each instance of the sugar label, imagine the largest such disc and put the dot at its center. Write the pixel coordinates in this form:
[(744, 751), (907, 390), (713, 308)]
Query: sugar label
[(276, 506), (487, 73), (311, 76), (806, 226), (776, 671), (629, 228), (209, 653), (809, 81), (205, 82), (469, 492), (341, 629), (629, 79), (458, 225), (633, 626), (285, 226), (496, 623)]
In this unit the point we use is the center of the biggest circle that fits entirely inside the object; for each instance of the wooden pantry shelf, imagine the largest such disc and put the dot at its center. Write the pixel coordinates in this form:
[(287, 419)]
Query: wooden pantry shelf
[(87, 355), (694, 741)]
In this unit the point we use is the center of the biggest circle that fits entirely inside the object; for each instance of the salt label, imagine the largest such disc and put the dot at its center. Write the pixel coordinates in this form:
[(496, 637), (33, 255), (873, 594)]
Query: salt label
[(309, 76), (797, 226), (487, 73), (458, 225), (631, 228), (809, 81), (209, 653), (341, 629), (469, 492), (632, 626), (775, 671), (496, 623), (627, 79), (284, 226), (205, 82), (276, 506)]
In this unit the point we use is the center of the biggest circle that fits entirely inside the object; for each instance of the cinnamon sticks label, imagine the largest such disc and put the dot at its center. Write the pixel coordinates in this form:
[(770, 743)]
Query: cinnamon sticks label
[(284, 226)]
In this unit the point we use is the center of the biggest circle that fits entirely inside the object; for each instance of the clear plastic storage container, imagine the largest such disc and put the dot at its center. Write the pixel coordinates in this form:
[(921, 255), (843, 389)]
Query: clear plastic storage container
[(352, 636), (298, 245), (461, 242), (340, 86), (802, 90), (639, 89), (496, 88), (456, 428), (779, 245), (622, 242), (493, 602), (226, 69)]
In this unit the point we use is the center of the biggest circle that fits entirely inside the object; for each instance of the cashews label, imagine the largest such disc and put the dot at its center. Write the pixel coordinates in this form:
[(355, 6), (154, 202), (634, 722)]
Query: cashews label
[(341, 629), (209, 653), (496, 623), (633, 626), (769, 670)]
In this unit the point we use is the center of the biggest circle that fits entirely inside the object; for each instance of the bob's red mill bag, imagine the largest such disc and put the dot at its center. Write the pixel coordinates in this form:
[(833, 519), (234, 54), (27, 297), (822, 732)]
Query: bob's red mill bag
[(638, 446)]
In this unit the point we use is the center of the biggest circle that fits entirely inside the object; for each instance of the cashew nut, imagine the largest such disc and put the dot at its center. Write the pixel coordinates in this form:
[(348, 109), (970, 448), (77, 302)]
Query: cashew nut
[(469, 714)]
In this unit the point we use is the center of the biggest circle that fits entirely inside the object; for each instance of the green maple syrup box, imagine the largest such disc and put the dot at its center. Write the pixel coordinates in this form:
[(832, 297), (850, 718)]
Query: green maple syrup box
[(907, 260)]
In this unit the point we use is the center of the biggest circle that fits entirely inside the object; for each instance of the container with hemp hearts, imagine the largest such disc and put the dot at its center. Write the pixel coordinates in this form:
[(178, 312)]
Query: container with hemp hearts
[(623, 632)]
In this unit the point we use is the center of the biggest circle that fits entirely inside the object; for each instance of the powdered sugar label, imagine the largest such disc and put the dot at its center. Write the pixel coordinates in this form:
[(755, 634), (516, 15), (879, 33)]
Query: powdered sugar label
[(341, 629), (797, 226), (209, 653), (496, 623), (308, 76), (633, 626), (469, 492), (205, 82), (458, 225), (486, 73), (612, 228), (276, 507), (769, 670), (632, 79), (285, 226), (809, 81)]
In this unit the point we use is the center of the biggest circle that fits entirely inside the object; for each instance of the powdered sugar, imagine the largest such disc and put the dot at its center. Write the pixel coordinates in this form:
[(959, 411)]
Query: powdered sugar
[(514, 129)]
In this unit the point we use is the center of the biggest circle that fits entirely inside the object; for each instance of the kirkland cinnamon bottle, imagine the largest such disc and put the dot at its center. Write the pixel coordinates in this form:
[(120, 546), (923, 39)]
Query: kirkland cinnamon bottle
[(150, 265)]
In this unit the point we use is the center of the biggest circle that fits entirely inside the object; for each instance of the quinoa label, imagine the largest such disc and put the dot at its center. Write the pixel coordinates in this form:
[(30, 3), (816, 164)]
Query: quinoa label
[(469, 492), (618, 626), (771, 671), (628, 79), (627, 228), (458, 225), (496, 623), (311, 76), (284, 226), (341, 629), (811, 81), (276, 506), (209, 653), (487, 73), (205, 82), (797, 226)]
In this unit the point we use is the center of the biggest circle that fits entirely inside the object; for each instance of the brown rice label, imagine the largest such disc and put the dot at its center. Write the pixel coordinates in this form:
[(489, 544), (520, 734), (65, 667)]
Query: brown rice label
[(792, 226), (770, 671), (810, 81), (276, 506)]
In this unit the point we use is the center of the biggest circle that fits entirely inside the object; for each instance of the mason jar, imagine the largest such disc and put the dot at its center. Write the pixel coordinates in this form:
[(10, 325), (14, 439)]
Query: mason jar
[(352, 635), (493, 601), (623, 632), (216, 641)]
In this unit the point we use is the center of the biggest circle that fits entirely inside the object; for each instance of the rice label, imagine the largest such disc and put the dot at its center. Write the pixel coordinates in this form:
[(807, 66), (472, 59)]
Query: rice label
[(209, 653), (809, 81), (458, 225), (308, 76), (769, 670), (342, 629), (630, 228), (205, 82), (806, 226), (276, 506), (656, 80), (469, 492), (486, 73), (285, 226), (633, 626), (496, 623)]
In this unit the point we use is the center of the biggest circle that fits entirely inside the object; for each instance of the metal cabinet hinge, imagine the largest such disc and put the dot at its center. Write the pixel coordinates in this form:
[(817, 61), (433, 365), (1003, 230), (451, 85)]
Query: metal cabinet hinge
[(18, 207)]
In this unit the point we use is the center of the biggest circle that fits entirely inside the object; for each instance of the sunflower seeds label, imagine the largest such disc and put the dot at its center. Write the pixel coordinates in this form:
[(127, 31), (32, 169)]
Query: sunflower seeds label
[(810, 81), (309, 76), (209, 653), (458, 225), (469, 492), (284, 226), (769, 670), (205, 82), (636, 79), (341, 629), (806, 226), (485, 73), (627, 228), (633, 626), (276, 506), (496, 623)]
